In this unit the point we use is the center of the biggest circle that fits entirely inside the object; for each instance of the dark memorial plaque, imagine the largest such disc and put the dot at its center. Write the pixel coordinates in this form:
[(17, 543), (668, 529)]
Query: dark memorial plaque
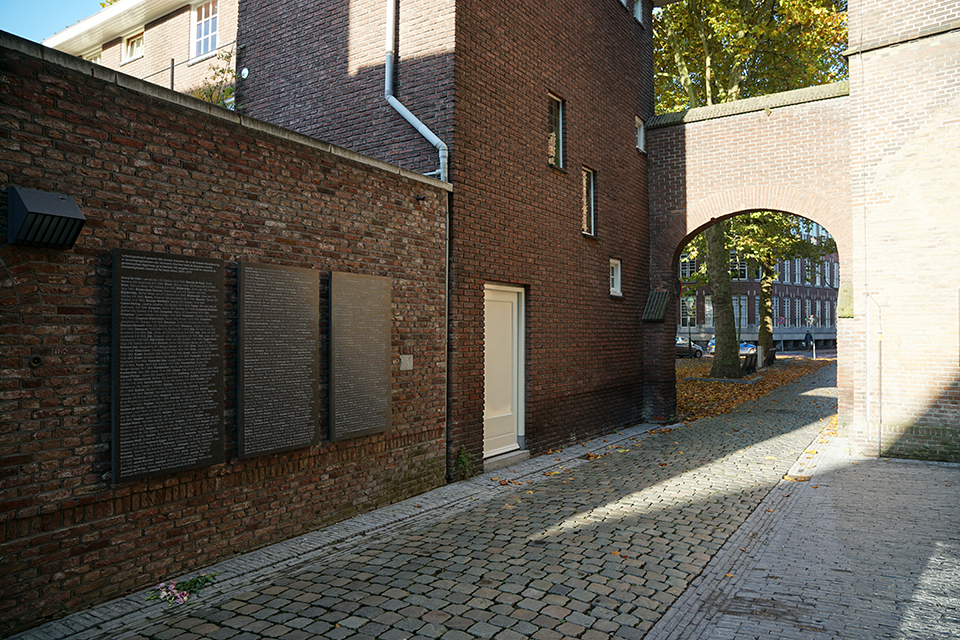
[(279, 362), (167, 363), (360, 352)]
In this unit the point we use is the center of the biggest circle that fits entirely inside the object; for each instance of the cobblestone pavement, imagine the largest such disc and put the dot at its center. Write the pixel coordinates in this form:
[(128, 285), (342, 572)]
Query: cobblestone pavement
[(681, 532)]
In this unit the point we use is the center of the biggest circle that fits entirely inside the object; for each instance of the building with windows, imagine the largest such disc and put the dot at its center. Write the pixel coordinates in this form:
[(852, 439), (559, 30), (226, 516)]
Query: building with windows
[(548, 218), (171, 43), (804, 299)]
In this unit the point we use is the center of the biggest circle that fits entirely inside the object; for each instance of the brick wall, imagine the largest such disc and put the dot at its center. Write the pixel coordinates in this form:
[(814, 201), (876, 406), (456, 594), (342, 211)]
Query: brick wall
[(319, 70), (786, 152), (517, 221), (157, 171), (479, 75), (905, 150)]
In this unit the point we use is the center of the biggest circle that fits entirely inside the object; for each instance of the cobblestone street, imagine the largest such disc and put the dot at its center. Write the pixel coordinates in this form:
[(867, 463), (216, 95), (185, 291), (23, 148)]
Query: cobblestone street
[(689, 531)]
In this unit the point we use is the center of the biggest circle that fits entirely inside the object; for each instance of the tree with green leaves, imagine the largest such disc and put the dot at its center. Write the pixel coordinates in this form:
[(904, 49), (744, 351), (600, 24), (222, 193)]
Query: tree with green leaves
[(713, 51)]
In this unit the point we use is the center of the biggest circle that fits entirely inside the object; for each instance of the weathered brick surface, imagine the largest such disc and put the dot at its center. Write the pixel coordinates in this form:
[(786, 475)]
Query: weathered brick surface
[(154, 171), (479, 75), (905, 152)]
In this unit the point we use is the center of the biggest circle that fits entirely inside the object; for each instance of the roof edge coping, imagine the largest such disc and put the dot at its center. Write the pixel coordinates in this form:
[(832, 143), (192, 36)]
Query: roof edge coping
[(748, 105)]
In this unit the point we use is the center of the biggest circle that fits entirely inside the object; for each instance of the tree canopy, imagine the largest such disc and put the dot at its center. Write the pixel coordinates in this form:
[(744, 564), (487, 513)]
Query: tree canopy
[(713, 51)]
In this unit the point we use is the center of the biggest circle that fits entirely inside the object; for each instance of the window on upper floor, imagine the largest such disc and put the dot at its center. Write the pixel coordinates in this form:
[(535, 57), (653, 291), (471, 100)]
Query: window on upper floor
[(589, 214), (555, 133), (205, 19), (688, 267), (95, 56), (688, 311), (132, 47), (641, 135), (738, 268), (615, 271), (797, 272), (638, 11)]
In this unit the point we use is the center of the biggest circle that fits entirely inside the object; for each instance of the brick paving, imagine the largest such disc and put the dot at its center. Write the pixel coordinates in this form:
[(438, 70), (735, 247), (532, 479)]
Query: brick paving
[(681, 532)]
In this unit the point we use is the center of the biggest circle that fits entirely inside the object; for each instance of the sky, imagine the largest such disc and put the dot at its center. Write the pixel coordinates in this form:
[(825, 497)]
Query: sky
[(39, 19)]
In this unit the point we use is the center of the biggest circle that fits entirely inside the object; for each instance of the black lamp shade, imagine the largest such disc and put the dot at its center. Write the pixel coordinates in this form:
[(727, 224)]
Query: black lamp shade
[(42, 219)]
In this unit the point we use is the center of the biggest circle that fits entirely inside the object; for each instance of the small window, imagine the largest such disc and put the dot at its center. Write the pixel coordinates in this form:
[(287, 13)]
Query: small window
[(615, 289), (133, 47), (797, 278), (638, 11), (738, 268), (641, 135), (555, 131), (589, 202), (688, 311), (205, 28), (688, 268), (94, 56)]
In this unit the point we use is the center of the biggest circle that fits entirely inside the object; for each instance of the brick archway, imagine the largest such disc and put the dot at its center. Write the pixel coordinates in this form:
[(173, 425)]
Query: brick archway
[(786, 152)]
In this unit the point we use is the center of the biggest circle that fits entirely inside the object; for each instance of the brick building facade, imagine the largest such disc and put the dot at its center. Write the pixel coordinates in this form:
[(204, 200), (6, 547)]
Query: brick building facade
[(171, 43), (152, 170), (482, 76)]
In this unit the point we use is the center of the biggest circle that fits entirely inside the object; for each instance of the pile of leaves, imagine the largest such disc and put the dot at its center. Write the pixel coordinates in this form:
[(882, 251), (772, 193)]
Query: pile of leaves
[(702, 398)]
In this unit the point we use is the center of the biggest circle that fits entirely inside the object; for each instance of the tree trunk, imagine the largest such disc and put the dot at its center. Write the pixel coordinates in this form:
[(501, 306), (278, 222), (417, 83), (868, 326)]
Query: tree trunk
[(768, 273), (726, 360)]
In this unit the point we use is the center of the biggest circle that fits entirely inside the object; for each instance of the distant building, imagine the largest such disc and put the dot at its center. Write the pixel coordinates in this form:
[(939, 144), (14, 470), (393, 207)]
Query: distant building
[(804, 298), (172, 43)]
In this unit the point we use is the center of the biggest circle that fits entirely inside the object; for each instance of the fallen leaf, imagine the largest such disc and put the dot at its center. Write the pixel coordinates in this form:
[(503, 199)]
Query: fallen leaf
[(508, 506), (790, 478), (417, 506), (729, 575)]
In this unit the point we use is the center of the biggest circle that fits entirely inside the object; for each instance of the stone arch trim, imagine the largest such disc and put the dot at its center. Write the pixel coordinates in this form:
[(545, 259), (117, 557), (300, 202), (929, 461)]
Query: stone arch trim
[(814, 206)]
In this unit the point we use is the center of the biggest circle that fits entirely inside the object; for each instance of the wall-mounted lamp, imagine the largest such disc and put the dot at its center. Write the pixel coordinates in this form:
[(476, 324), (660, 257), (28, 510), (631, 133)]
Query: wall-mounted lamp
[(42, 219)]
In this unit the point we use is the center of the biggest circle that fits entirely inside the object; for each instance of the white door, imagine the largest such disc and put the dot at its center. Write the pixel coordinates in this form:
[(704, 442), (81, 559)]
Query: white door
[(502, 370)]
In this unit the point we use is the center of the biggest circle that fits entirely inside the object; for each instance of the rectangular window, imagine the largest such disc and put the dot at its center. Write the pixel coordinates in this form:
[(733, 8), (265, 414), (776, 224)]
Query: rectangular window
[(589, 202), (638, 11), (688, 267), (756, 311), (205, 28), (555, 131), (797, 271), (786, 312), (94, 56), (688, 311), (818, 268), (738, 268), (133, 47), (708, 311), (740, 311), (615, 289), (816, 312), (775, 311), (806, 310), (836, 275), (797, 313), (641, 135)]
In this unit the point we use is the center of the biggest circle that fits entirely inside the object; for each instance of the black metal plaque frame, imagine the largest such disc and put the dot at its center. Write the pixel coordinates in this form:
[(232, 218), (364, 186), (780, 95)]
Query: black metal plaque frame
[(279, 365), (167, 363), (360, 353)]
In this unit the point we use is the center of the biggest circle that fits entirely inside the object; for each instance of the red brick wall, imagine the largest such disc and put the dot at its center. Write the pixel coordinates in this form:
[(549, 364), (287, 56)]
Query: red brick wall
[(319, 70), (478, 74), (905, 154), (517, 220), (151, 170)]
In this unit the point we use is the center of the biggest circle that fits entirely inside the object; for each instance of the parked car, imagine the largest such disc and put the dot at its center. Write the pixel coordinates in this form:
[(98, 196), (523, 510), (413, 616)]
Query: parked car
[(684, 349), (745, 347)]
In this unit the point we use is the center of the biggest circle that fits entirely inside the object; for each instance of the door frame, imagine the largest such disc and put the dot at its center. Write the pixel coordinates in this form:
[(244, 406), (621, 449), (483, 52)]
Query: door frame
[(521, 356)]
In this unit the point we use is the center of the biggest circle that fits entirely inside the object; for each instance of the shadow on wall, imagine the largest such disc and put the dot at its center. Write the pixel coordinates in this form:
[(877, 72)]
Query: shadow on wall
[(933, 435), (334, 89)]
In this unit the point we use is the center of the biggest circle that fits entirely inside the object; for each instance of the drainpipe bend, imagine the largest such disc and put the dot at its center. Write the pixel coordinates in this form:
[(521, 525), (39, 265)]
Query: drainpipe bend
[(396, 104)]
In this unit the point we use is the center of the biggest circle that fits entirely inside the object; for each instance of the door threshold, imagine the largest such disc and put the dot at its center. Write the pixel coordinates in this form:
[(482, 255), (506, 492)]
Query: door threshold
[(505, 459)]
